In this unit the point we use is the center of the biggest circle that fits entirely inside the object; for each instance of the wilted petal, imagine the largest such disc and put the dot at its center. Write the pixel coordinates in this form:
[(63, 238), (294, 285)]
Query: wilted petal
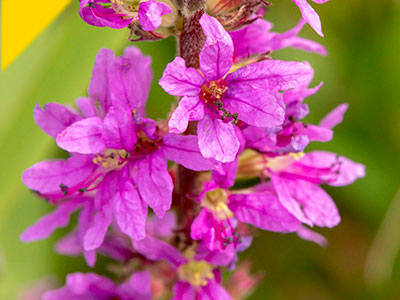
[(154, 182), (178, 80), (54, 118), (189, 109), (310, 15), (85, 137), (47, 176), (184, 150), (45, 226), (129, 210), (217, 139), (335, 117), (150, 13), (99, 88), (94, 237), (254, 108), (217, 53), (263, 210), (119, 131), (130, 80), (155, 249), (271, 76)]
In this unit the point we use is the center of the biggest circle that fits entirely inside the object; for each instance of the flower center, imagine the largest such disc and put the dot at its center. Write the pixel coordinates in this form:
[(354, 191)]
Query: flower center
[(197, 273), (112, 159), (216, 202), (211, 94)]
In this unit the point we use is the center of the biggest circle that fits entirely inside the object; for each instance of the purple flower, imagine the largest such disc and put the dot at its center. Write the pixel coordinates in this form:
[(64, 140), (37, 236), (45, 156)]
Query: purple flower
[(119, 14), (215, 98), (257, 38), (309, 14), (117, 156), (296, 179), (95, 287)]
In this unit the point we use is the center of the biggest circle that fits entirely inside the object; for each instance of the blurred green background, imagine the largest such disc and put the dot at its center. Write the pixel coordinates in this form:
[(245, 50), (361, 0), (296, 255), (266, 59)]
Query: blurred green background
[(362, 68)]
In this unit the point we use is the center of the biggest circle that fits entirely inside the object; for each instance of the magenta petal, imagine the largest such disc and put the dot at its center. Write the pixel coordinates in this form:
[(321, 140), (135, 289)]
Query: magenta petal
[(281, 186), (213, 291), (130, 80), (119, 131), (154, 182), (217, 54), (87, 106), (317, 133), (271, 75), (263, 210), (85, 137), (94, 237), (150, 13), (217, 139), (183, 291), (138, 287), (155, 249), (316, 204), (47, 176), (178, 80), (184, 150), (309, 15), (129, 210), (99, 88), (189, 109), (312, 236), (44, 227), (255, 108), (225, 174), (335, 117), (345, 171), (54, 118)]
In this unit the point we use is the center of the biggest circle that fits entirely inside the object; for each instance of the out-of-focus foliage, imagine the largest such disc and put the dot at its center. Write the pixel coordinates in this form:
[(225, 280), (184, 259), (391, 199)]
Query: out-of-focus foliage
[(362, 68)]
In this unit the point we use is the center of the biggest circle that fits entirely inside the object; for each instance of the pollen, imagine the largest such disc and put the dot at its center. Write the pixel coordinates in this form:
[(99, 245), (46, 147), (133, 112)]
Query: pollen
[(112, 159), (197, 273), (216, 202)]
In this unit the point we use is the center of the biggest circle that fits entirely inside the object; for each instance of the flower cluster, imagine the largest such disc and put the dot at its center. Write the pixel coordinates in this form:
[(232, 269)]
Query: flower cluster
[(162, 198)]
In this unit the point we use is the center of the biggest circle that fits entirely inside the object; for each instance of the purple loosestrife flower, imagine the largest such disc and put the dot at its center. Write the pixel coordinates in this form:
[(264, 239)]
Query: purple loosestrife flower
[(309, 14), (110, 146), (215, 97), (257, 38), (91, 286), (120, 13), (296, 179)]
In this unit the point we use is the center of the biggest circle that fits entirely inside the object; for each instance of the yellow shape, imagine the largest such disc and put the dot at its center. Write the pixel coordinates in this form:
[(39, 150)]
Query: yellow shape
[(21, 23)]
